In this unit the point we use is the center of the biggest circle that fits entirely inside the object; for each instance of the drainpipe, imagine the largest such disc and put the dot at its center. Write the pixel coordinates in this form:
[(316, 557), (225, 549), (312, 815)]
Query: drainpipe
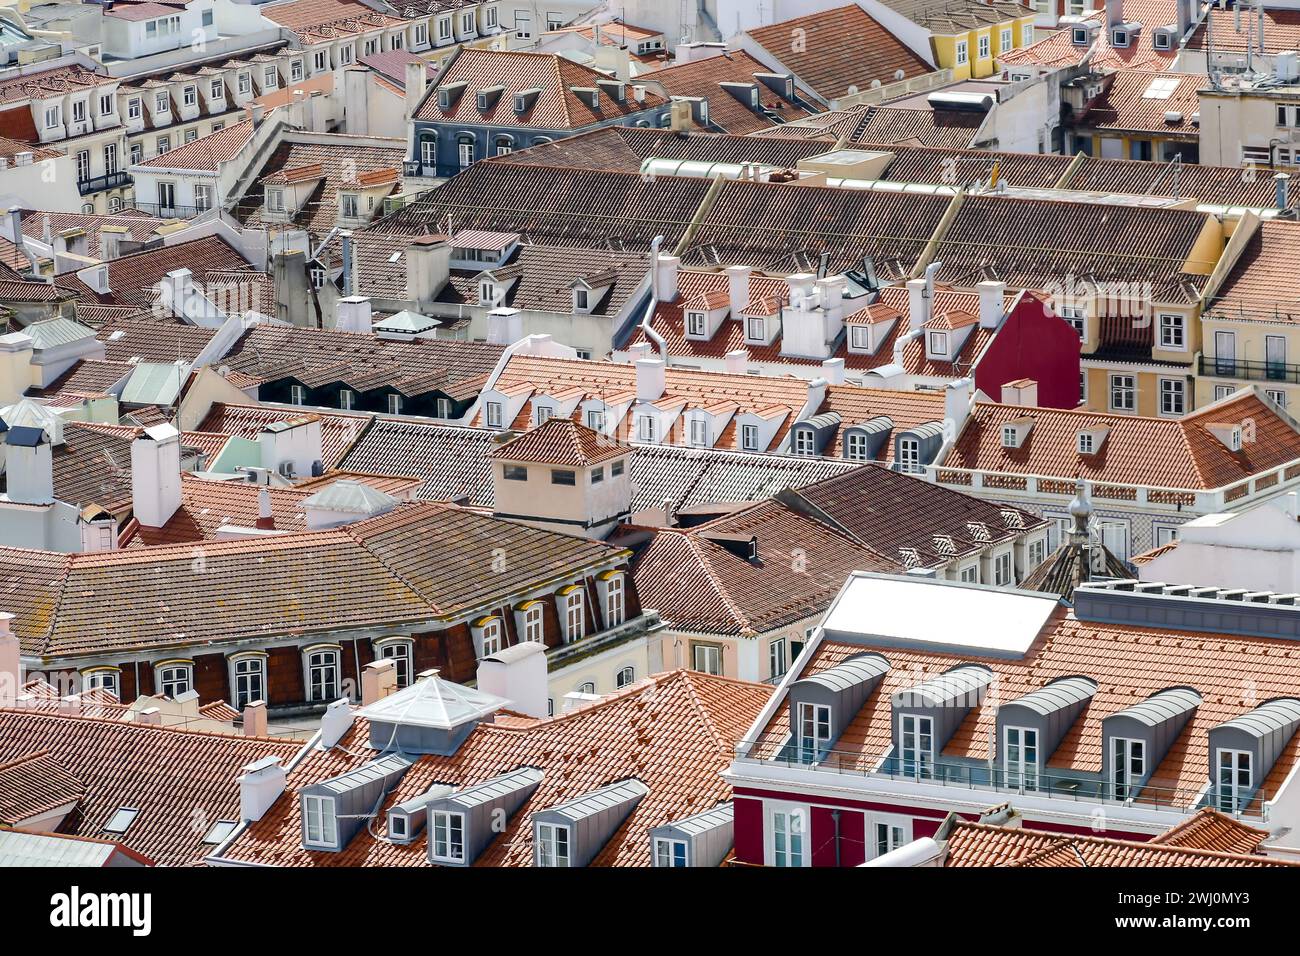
[(650, 333), (835, 815)]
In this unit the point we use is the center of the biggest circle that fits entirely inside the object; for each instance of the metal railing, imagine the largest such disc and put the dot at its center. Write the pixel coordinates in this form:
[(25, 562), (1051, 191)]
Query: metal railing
[(1251, 371), (97, 184), (171, 210), (785, 752)]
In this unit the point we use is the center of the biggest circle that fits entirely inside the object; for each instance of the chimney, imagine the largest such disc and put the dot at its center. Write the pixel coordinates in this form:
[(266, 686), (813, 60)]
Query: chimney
[(378, 680), (650, 379), (918, 305), (956, 402), (291, 288), (16, 225), (177, 287), (110, 241), (1114, 13), (11, 666), (992, 295), (150, 715), (15, 367), (640, 350), (670, 513), (352, 314), (518, 674), (680, 116), (265, 516), (335, 722), (833, 371), (428, 268), (156, 475), (505, 326), (666, 278), (29, 466), (1187, 10), (816, 394), (255, 719), (417, 81), (738, 286), (260, 785), (1023, 391), (255, 112), (349, 280), (737, 362)]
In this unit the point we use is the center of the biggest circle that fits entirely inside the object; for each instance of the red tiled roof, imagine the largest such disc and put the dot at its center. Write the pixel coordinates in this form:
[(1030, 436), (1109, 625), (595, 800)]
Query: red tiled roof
[(560, 441), (1264, 283), (1160, 452), (206, 152), (556, 106), (1059, 50), (338, 431), (842, 48), (1208, 829), (34, 784), (208, 506), (674, 732), (1138, 101), (315, 20), (704, 78), (1232, 35), (132, 278)]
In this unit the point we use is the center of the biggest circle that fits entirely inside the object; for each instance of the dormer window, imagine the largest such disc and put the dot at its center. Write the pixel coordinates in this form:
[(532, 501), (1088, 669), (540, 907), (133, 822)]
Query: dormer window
[(488, 635), (1228, 434), (580, 298), (1119, 37), (645, 428), (755, 329), (699, 432), (575, 621), (805, 442), (860, 338), (1081, 36), (1162, 41), (938, 344), (447, 837), (162, 103), (494, 414), (1014, 433), (1086, 443), (319, 823), (552, 845), (349, 205), (695, 324), (814, 723)]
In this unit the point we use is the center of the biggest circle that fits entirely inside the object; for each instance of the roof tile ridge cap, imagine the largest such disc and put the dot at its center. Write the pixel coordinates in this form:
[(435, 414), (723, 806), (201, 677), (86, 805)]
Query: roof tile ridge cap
[(705, 714), (692, 542), (65, 574), (1057, 844), (25, 758)]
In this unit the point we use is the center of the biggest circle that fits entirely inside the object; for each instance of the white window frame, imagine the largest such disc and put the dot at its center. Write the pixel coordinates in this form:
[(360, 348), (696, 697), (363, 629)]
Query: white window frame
[(984, 46), (534, 624), (491, 637), (749, 437), (805, 442), (777, 659), (494, 414), (447, 836), (550, 837), (169, 674), (1173, 392), (787, 835), (962, 52), (1124, 753), (319, 821), (1238, 794), (708, 654), (625, 677), (614, 601), (855, 445), (247, 673), (668, 853), (1020, 757), (813, 730), (916, 746), (909, 455), (695, 323), (315, 660), (1173, 332), (401, 651), (103, 678), (1002, 572), (297, 395), (1123, 397), (898, 833), (575, 616)]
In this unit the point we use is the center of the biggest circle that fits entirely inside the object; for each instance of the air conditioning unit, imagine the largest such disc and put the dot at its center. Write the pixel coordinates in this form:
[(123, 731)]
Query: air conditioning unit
[(287, 470)]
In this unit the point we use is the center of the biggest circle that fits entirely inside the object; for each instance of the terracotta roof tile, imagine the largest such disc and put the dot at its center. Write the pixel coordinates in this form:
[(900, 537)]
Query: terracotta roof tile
[(703, 78), (35, 784), (560, 441)]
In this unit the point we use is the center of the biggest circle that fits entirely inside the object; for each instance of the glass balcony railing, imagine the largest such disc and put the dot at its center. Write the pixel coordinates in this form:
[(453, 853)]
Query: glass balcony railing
[(1251, 371)]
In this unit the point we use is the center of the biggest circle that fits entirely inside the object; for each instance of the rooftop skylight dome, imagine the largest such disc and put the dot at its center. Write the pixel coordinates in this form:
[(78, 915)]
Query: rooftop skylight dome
[(431, 716)]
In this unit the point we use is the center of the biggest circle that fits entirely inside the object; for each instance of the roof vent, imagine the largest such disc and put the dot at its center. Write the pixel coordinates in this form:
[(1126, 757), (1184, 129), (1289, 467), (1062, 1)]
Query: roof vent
[(1173, 117)]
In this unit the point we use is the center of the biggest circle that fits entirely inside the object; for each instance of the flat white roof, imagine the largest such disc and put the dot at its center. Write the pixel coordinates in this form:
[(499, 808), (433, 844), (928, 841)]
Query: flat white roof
[(890, 611)]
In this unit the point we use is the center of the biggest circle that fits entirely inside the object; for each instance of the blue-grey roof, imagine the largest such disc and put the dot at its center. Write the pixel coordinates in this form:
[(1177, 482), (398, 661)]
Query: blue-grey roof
[(351, 497), (49, 333), (710, 819), (25, 436), (39, 849), (824, 420), (1282, 714), (967, 680), (1162, 706), (927, 430), (497, 787), (382, 768), (875, 426), (420, 801), (1059, 694), (856, 670), (589, 804)]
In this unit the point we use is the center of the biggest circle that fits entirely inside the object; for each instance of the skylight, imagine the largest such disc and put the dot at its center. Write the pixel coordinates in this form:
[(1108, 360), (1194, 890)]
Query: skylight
[(220, 831), (121, 819), (1161, 88)]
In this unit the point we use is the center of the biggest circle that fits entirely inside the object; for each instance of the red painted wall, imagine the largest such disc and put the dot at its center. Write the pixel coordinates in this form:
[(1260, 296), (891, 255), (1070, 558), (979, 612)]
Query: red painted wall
[(1034, 342), (747, 829)]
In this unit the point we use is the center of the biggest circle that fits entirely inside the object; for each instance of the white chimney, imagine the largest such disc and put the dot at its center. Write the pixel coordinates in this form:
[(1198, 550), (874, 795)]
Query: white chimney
[(110, 241), (816, 395), (260, 785), (666, 277), (352, 314), (1023, 391), (11, 667), (176, 289), (29, 467), (650, 379), (991, 293), (833, 371), (518, 674), (956, 402), (150, 715), (417, 81), (378, 680), (1114, 13), (265, 511), (156, 475), (738, 287), (640, 350), (737, 362), (335, 722), (255, 719), (505, 326), (918, 303)]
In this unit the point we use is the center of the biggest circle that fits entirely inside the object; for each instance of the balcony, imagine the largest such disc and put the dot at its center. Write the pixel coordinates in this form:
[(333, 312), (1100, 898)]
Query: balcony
[(97, 184), (1250, 371), (171, 210), (414, 169)]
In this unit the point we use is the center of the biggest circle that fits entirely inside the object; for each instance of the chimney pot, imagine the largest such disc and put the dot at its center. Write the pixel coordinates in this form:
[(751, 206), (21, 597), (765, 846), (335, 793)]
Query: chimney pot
[(255, 719), (265, 516)]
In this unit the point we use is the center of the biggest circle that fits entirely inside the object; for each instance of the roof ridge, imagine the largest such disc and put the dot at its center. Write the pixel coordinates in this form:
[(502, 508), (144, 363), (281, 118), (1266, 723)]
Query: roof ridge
[(711, 574), (116, 721), (25, 758)]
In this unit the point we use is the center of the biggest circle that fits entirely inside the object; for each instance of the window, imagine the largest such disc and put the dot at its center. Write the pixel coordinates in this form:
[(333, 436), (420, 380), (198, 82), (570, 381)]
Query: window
[(1123, 393), (776, 660), (1114, 536), (645, 428), (202, 197), (754, 329), (1075, 316), (595, 420), (83, 165), (297, 395), (1004, 40), (814, 731), (219, 832), (490, 17), (1222, 391), (961, 52), (349, 204), (1035, 553), (541, 414), (1027, 34), (533, 630), (969, 574), (707, 659), (247, 680), (104, 678), (421, 34), (490, 636), (467, 22), (78, 111), (1277, 396), (323, 674), (175, 679), (1020, 757), (695, 323), (190, 95), (395, 404), (563, 476), (1235, 780), (515, 472), (580, 299), (860, 338), (855, 446), (244, 82), (444, 28), (106, 104), (616, 469), (494, 414), (670, 852), (295, 71), (1127, 767), (917, 749), (345, 54), (191, 134), (504, 145), (699, 432), (399, 652), (1002, 569), (121, 820), (319, 825), (939, 343), (614, 601), (575, 621), (137, 152), (909, 455), (889, 837), (465, 151), (448, 831), (805, 442), (133, 107), (320, 61), (347, 399), (1171, 332), (984, 46), (624, 677), (53, 117), (552, 845), (788, 829), (275, 200), (749, 437), (1172, 396)]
